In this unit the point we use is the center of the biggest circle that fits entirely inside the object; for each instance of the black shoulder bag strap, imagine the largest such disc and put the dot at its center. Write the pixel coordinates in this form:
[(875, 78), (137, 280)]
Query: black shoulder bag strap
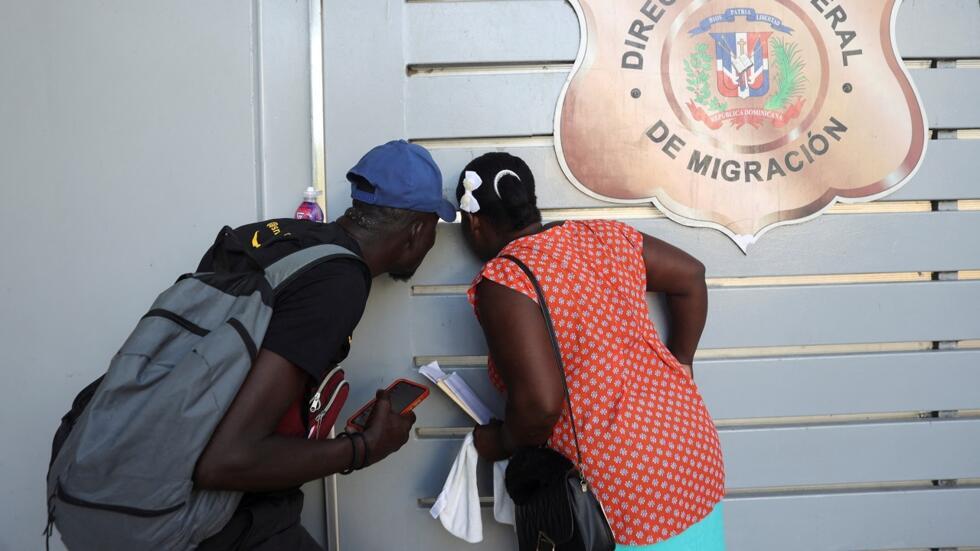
[(543, 304)]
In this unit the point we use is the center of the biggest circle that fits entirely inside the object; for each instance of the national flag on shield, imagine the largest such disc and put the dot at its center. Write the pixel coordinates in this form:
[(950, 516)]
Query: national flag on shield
[(742, 61)]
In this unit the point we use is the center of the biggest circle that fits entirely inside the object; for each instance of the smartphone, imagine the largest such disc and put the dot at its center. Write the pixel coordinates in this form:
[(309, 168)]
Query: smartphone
[(404, 396)]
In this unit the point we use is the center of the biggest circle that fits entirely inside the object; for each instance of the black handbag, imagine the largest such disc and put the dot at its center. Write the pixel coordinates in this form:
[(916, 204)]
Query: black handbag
[(554, 506)]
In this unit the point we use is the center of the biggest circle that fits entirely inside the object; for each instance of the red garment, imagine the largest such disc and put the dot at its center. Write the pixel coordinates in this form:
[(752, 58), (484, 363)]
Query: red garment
[(649, 446), (291, 423)]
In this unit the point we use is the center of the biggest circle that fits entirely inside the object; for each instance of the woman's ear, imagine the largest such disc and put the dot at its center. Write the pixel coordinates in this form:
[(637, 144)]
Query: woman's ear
[(472, 221)]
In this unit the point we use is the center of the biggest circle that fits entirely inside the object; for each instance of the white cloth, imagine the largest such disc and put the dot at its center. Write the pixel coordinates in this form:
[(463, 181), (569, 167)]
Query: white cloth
[(458, 505), (503, 505)]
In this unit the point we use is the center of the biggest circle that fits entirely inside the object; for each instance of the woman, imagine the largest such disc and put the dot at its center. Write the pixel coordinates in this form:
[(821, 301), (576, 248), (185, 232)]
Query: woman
[(650, 448)]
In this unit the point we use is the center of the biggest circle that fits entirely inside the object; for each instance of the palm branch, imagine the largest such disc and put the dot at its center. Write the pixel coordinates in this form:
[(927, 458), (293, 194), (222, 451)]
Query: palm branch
[(789, 74)]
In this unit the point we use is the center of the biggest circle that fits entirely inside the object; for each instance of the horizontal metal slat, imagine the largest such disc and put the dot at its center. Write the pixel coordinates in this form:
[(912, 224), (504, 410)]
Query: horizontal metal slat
[(845, 384), (872, 520), (759, 281), (832, 244), (479, 32), (799, 456), (938, 28), (482, 105), (764, 316), (901, 520), (796, 460), (949, 95), (865, 519), (706, 354), (833, 314), (947, 173), (523, 104), (521, 31), (791, 390)]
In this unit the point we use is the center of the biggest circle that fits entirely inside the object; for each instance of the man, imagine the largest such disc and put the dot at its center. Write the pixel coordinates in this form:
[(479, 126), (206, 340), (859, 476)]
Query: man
[(397, 192)]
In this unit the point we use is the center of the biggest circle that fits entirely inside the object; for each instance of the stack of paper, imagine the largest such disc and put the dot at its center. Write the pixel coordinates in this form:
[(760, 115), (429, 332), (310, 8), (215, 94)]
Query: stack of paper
[(456, 388)]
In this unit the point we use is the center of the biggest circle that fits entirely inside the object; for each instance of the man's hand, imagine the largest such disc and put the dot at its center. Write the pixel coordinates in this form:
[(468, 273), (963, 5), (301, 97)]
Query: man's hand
[(246, 454), (387, 430)]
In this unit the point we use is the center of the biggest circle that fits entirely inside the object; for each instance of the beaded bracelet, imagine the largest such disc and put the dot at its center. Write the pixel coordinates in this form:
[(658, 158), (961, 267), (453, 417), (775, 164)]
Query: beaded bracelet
[(364, 458), (350, 468)]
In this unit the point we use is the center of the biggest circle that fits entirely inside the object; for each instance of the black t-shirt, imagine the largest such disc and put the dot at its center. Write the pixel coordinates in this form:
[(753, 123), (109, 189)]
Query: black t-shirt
[(313, 318)]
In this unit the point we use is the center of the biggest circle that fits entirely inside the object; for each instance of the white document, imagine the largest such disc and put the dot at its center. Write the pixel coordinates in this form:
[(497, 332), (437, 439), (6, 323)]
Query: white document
[(456, 388), (503, 505)]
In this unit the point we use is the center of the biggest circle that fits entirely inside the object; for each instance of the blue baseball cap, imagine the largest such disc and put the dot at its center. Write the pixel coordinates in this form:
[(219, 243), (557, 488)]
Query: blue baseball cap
[(400, 175)]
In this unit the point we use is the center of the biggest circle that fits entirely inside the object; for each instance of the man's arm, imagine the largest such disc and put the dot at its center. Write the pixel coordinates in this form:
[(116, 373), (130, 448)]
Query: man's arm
[(521, 348), (681, 277), (245, 454)]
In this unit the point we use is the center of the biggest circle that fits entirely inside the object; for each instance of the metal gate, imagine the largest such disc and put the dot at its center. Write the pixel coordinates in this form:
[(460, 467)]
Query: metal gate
[(841, 358)]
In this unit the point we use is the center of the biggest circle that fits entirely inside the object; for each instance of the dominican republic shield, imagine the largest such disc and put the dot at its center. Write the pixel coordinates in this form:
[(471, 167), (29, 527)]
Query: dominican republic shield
[(743, 64), (738, 115)]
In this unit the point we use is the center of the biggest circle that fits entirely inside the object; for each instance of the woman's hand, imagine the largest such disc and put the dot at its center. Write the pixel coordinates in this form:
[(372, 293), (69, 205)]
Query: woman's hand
[(488, 440)]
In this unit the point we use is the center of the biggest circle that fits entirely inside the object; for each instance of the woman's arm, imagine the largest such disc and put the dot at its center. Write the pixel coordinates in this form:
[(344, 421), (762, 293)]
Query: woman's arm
[(681, 277), (522, 352)]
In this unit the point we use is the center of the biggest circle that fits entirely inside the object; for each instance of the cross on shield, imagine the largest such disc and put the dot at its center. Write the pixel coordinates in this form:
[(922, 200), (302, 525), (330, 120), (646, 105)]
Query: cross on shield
[(742, 63)]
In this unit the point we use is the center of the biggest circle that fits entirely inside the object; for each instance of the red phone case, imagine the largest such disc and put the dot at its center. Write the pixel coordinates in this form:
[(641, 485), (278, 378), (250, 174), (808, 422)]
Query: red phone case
[(408, 408)]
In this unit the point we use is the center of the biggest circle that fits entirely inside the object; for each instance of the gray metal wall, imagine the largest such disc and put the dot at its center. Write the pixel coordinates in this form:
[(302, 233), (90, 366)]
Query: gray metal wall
[(130, 132), (841, 358)]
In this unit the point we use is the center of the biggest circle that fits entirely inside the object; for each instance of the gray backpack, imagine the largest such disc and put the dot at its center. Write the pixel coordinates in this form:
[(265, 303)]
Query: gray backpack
[(122, 462)]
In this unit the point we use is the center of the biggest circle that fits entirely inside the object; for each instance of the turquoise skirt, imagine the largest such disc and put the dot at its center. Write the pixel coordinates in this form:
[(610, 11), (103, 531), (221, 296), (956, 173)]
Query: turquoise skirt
[(707, 535)]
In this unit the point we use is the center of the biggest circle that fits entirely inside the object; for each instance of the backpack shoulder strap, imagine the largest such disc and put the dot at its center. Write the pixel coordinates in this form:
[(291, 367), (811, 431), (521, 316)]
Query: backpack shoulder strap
[(283, 271)]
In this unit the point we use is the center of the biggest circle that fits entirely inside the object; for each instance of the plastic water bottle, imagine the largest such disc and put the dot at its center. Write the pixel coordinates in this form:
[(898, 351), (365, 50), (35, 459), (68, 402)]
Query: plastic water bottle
[(309, 209)]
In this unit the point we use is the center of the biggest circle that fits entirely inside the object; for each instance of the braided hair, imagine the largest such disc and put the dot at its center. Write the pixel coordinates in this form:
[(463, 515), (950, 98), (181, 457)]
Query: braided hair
[(506, 195)]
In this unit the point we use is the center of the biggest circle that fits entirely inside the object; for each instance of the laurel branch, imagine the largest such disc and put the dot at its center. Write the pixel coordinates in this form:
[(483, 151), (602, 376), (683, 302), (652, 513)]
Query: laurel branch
[(699, 69)]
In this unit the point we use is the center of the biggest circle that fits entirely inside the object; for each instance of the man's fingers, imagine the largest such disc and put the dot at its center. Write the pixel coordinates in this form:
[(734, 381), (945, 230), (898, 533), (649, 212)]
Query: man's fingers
[(381, 402)]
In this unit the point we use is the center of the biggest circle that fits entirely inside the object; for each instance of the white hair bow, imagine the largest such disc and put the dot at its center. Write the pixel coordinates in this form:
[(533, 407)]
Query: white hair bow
[(471, 182)]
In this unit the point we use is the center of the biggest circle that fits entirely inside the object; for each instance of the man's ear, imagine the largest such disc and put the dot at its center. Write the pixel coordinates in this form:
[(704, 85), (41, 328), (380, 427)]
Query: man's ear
[(416, 232)]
